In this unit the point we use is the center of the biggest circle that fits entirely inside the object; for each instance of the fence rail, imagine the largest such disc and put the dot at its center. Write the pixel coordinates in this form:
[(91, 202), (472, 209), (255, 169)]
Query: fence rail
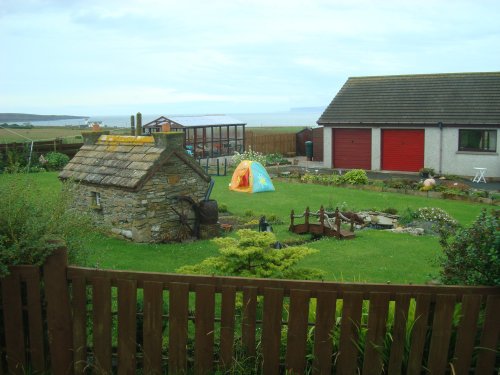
[(42, 147), (112, 321)]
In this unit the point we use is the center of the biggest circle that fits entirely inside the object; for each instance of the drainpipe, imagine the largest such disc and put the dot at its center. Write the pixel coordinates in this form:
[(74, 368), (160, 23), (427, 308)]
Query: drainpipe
[(440, 125)]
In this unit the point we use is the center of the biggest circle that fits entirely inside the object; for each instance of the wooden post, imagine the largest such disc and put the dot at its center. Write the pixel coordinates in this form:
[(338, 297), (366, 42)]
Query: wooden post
[(337, 222), (225, 166), (322, 218), (306, 219), (218, 167), (352, 224), (59, 322)]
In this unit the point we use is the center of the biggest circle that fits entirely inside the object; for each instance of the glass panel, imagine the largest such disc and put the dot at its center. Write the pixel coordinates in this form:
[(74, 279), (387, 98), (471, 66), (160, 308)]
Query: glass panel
[(477, 140)]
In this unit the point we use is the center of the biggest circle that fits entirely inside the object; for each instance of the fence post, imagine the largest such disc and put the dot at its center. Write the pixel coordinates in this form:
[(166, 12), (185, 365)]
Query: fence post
[(59, 322)]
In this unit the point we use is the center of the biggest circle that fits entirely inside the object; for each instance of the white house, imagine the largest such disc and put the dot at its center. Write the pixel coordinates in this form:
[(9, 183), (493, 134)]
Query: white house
[(449, 122)]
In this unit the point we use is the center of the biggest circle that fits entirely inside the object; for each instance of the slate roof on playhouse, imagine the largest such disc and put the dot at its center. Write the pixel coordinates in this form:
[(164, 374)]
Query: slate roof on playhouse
[(454, 98), (122, 162)]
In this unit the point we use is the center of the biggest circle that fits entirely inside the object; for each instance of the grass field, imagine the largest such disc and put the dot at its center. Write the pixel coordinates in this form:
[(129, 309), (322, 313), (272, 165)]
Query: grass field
[(373, 256), (275, 129), (43, 133)]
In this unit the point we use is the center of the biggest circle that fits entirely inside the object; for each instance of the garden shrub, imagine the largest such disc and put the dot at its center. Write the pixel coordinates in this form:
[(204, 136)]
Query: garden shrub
[(222, 207), (390, 211), (251, 255), (471, 256), (55, 161), (276, 158), (249, 155), (30, 222), (436, 216), (355, 177), (400, 183)]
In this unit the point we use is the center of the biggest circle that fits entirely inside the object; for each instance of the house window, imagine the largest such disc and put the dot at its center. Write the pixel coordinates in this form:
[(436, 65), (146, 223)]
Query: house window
[(96, 199), (477, 140)]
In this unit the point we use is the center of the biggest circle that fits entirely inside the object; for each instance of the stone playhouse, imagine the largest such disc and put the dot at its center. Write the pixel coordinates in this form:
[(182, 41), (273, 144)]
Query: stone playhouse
[(145, 188)]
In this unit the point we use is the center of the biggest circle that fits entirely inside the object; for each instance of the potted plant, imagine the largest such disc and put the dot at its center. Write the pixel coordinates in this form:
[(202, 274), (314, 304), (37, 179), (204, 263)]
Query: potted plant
[(426, 172)]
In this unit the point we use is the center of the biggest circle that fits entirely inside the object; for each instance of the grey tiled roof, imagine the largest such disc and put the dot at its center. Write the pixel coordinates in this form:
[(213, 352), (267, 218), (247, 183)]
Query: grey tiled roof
[(122, 165), (456, 98)]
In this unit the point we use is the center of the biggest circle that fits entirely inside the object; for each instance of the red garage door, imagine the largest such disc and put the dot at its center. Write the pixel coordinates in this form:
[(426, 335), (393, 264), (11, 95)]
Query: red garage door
[(352, 148), (402, 150)]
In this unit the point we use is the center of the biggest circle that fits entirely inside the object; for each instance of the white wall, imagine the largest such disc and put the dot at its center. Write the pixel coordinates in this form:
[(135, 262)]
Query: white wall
[(376, 147), (462, 163), (327, 147)]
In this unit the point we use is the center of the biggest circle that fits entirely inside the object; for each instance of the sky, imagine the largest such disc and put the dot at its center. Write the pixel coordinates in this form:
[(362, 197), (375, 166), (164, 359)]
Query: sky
[(100, 57)]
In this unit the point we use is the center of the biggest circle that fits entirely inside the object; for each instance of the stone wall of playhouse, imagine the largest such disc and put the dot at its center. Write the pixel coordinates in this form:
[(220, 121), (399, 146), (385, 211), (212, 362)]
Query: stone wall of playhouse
[(145, 215)]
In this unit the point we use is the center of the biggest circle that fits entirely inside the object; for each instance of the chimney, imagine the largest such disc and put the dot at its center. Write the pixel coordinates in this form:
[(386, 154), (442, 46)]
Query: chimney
[(169, 141), (90, 138)]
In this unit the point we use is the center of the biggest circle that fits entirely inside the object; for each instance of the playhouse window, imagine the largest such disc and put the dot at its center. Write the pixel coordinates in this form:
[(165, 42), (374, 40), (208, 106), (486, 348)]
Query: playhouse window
[(96, 199), (477, 140)]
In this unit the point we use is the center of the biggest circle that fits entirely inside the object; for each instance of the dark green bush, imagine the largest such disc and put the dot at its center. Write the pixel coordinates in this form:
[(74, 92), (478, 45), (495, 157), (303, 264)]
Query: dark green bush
[(31, 221), (471, 256), (55, 161)]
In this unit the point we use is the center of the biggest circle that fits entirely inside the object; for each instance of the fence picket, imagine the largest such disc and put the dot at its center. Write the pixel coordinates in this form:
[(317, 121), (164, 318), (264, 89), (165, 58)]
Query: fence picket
[(101, 312), (466, 334), (402, 304), (441, 333), (79, 304), (297, 331), (271, 330), (489, 338), (349, 332), (204, 329), (323, 332), (249, 316), (153, 327), (418, 334), (13, 324), (178, 326), (227, 325), (377, 317), (59, 325), (34, 308), (127, 323)]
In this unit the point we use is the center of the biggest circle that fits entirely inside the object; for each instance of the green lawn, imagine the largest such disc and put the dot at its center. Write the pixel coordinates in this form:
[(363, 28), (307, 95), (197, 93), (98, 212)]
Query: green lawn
[(373, 256)]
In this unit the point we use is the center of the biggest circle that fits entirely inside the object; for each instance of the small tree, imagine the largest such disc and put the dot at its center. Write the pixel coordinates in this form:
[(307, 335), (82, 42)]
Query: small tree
[(471, 256), (252, 255)]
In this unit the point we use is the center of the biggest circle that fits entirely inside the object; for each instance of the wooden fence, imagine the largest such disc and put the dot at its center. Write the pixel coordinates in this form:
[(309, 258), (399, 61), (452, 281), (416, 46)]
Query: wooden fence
[(63, 320), (42, 147), (284, 144)]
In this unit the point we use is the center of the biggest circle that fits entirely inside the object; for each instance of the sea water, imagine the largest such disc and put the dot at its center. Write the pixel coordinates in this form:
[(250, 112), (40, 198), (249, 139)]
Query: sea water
[(288, 118)]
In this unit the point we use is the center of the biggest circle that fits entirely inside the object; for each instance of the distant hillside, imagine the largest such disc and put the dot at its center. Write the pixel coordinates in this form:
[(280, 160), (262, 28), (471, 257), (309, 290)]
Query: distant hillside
[(26, 117), (307, 109)]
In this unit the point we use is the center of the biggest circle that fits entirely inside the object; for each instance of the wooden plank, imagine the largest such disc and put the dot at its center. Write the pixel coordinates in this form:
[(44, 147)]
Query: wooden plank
[(323, 332), (178, 326), (402, 304), (204, 329), (349, 329), (271, 330), (418, 334), (489, 337), (441, 333), (79, 303), (35, 321), (377, 318), (153, 327), (59, 324), (13, 324), (287, 285), (248, 322), (298, 320), (101, 313), (127, 321), (227, 325), (466, 334)]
